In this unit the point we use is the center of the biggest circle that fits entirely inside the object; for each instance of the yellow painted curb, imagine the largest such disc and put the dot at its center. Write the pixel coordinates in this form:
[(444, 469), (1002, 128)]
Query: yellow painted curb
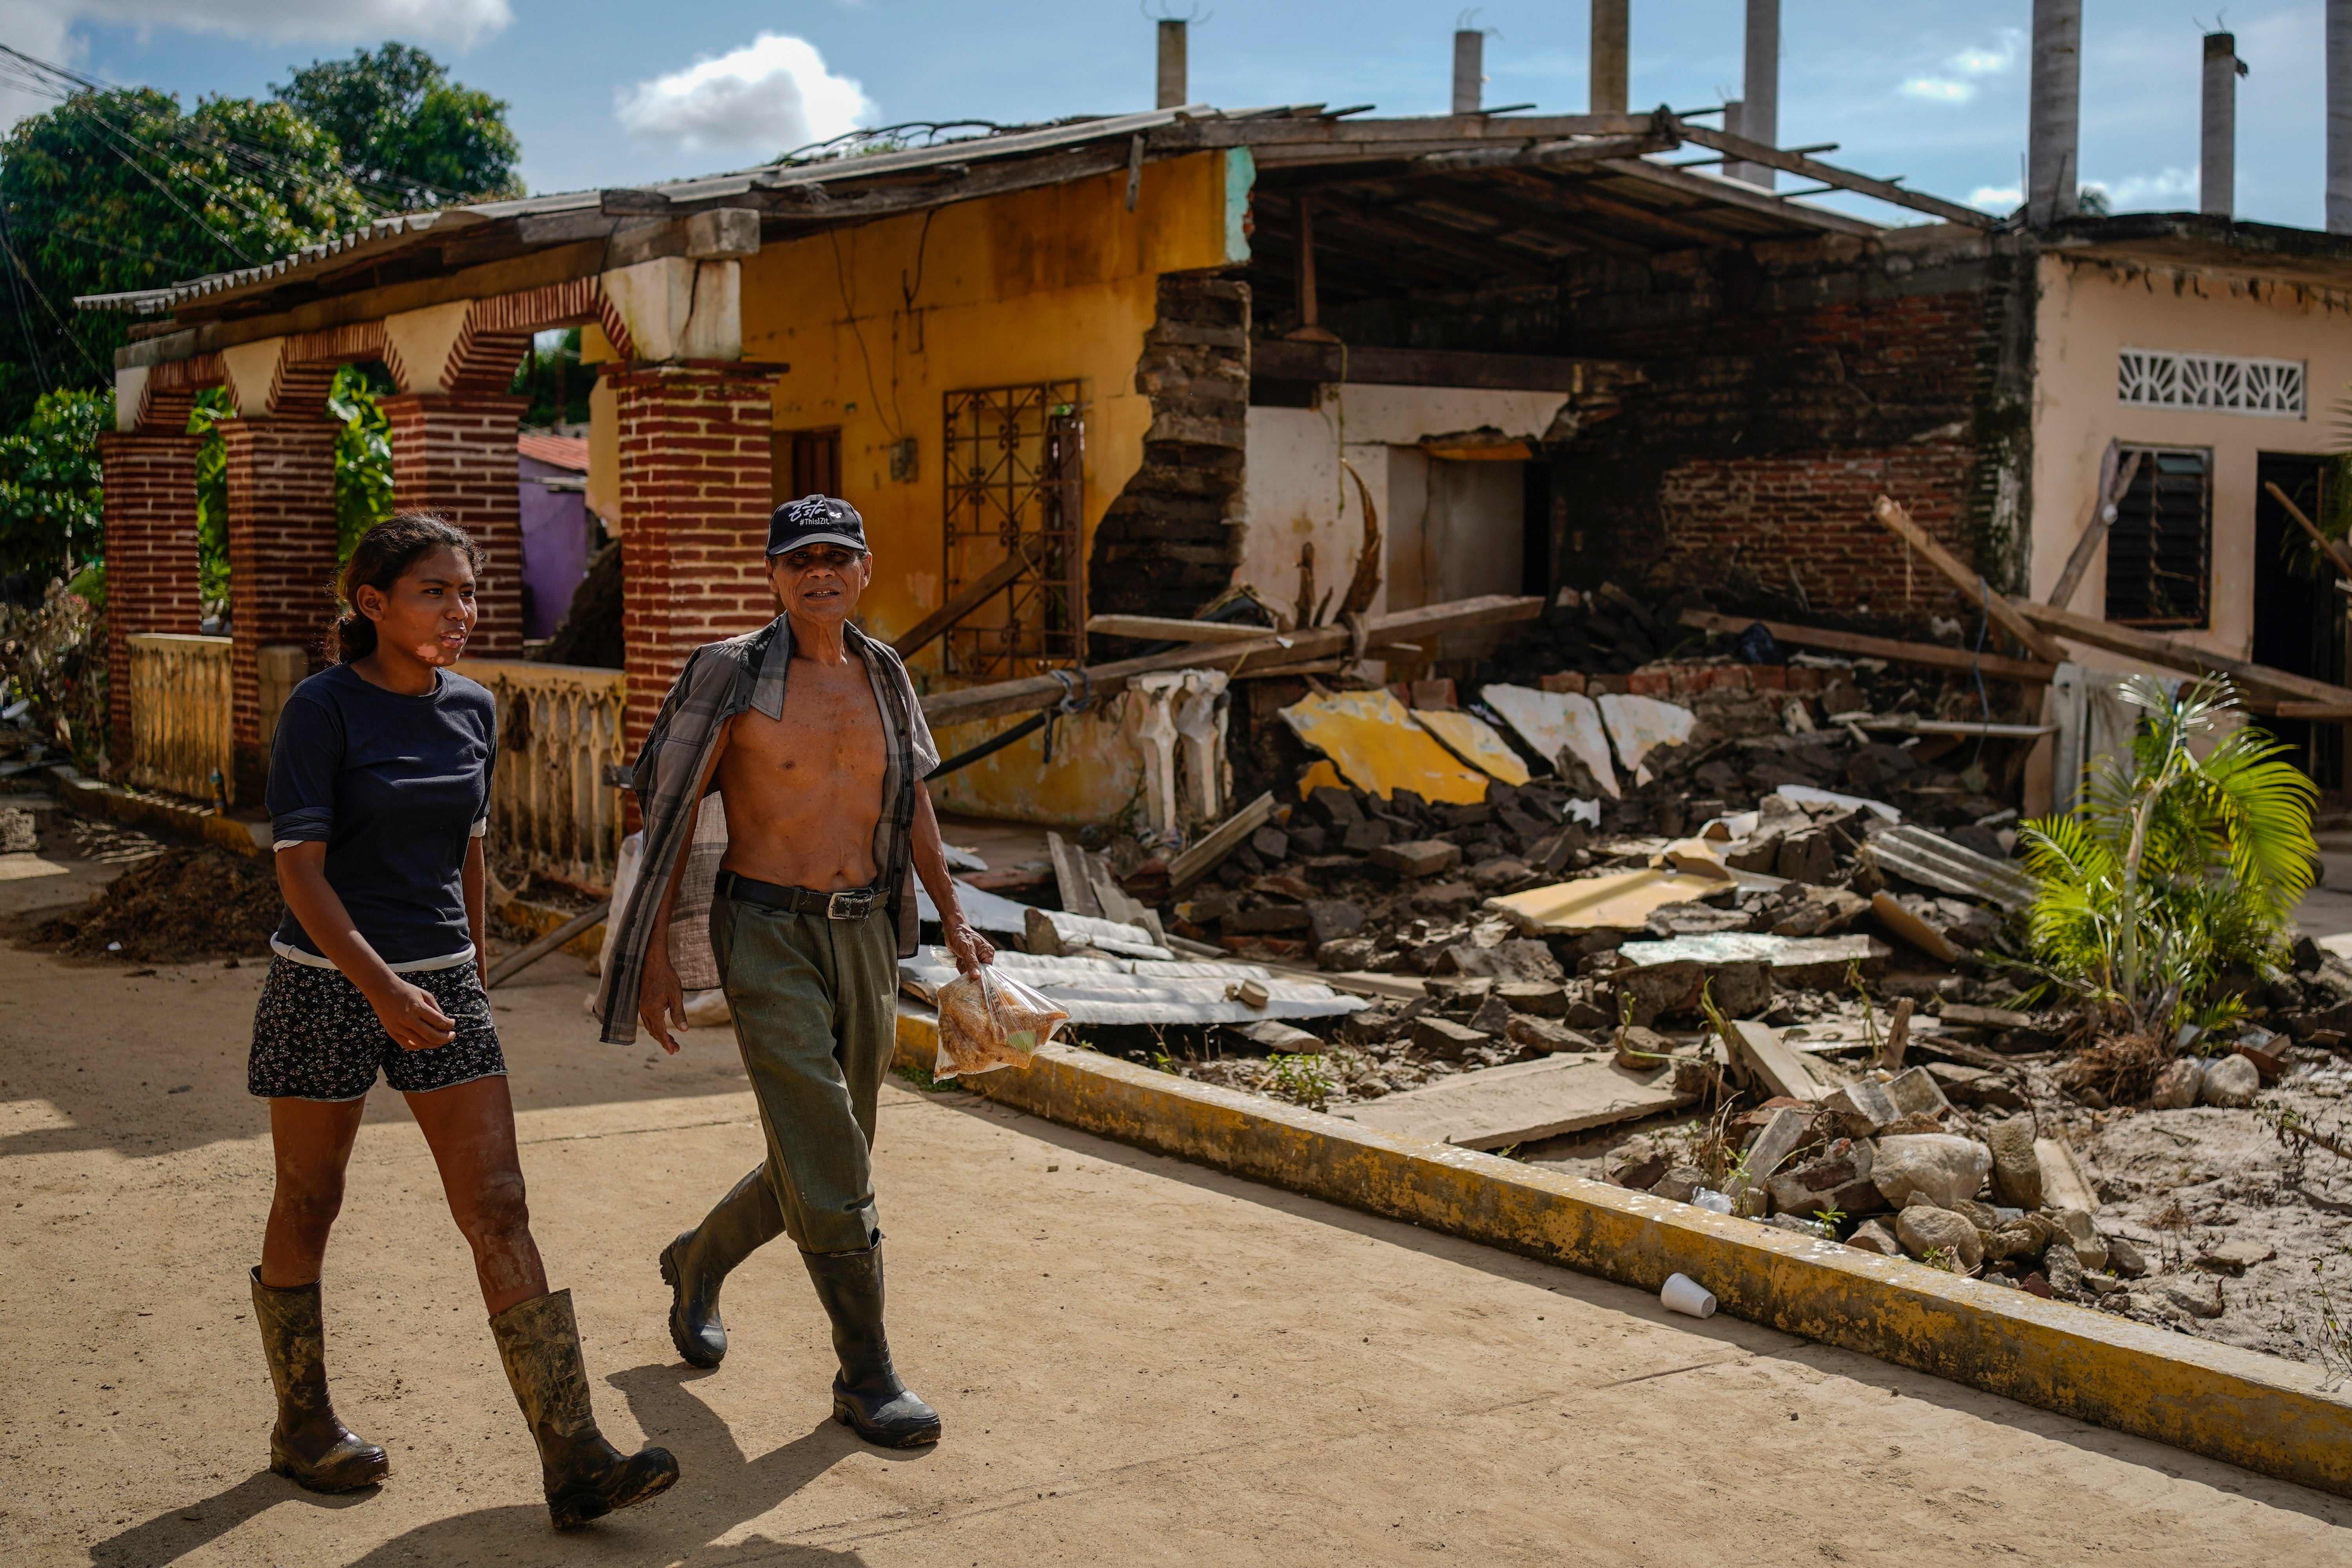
[(541, 919), (93, 798), (2261, 1412)]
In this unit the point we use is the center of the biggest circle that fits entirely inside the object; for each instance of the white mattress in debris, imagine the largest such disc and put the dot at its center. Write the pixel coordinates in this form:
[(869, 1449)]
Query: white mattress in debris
[(1140, 991)]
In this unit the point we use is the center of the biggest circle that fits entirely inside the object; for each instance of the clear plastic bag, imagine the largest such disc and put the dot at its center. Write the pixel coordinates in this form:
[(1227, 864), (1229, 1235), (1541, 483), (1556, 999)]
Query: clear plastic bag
[(988, 1020)]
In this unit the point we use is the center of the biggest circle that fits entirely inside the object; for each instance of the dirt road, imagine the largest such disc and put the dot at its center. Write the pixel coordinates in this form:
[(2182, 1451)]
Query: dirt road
[(1138, 1361)]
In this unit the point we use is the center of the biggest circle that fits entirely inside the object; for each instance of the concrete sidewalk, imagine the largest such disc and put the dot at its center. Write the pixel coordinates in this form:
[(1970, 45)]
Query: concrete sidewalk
[(1137, 1360)]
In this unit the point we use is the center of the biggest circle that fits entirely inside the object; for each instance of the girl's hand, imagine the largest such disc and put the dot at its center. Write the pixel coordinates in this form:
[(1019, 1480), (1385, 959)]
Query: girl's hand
[(411, 1016)]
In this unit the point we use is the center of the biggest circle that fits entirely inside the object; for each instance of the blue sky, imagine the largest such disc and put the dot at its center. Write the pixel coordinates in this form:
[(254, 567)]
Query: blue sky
[(604, 93)]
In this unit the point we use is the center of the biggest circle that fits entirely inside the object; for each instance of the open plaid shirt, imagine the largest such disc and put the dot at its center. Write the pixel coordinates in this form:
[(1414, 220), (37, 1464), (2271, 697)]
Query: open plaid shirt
[(720, 680)]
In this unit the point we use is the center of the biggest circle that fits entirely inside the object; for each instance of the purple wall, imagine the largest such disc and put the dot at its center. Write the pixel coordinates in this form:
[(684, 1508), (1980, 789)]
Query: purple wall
[(555, 535)]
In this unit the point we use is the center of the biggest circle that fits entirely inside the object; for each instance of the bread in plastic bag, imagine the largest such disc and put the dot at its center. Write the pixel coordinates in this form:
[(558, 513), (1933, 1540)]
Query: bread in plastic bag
[(989, 1020)]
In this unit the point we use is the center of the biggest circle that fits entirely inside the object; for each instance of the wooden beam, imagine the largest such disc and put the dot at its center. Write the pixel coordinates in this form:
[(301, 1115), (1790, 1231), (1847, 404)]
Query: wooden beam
[(1732, 193), (2337, 554), (992, 581), (1581, 197), (2094, 529), (1204, 858), (1971, 584), (1773, 157), (2339, 712), (1932, 654), (1480, 255), (2174, 654), (1168, 628), (1471, 198), (1419, 627)]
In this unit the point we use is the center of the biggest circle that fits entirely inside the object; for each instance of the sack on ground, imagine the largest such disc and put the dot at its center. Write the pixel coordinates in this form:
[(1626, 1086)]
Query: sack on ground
[(988, 1020)]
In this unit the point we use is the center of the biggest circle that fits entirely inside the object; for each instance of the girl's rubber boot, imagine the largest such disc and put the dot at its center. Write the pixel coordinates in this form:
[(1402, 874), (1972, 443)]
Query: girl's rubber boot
[(308, 1446), (585, 1477), (698, 1263), (867, 1395)]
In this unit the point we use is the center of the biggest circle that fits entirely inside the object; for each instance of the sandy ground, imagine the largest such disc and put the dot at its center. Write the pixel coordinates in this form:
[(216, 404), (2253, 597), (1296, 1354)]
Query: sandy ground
[(1138, 1361)]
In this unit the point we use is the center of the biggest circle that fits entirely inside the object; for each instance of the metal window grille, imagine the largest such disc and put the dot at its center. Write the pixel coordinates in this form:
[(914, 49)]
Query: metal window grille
[(2160, 378), (2160, 546), (1012, 465)]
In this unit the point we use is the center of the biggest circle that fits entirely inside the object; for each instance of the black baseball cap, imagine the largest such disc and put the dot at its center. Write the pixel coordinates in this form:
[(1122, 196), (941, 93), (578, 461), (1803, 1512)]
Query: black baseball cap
[(815, 519)]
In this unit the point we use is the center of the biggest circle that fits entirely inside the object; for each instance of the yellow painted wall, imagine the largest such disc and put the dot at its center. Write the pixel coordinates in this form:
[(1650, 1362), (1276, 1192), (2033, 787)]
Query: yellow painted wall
[(2087, 314), (879, 323)]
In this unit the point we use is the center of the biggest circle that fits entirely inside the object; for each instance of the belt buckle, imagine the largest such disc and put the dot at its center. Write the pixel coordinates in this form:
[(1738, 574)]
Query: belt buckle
[(834, 907)]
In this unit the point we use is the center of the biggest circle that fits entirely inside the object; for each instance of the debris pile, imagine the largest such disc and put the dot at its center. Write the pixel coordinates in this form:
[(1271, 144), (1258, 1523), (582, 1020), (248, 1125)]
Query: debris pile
[(178, 907)]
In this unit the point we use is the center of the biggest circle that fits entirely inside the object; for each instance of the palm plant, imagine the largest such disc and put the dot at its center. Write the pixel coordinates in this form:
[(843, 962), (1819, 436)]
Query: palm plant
[(2176, 866)]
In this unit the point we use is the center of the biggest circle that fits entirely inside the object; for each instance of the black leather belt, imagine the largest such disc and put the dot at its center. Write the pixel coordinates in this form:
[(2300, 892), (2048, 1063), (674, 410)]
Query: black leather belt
[(849, 904)]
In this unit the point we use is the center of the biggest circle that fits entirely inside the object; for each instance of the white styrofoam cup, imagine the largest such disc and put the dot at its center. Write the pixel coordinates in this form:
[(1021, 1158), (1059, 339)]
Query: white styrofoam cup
[(1685, 1294)]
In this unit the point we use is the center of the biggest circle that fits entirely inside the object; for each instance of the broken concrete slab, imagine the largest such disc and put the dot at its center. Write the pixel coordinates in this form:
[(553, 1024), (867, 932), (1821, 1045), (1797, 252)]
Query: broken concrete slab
[(1523, 1101), (1559, 726), (1798, 963), (1781, 1070), (1616, 901), (1915, 1092), (1371, 739), (1418, 856), (1640, 725), (1861, 1109), (1473, 740), (1446, 1041)]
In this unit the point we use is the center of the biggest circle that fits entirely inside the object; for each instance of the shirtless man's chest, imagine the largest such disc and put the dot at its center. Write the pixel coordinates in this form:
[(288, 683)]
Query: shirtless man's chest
[(803, 793)]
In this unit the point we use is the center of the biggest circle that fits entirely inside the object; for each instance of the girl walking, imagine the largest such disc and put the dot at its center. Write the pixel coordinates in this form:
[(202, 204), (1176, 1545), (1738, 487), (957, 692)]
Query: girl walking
[(379, 795)]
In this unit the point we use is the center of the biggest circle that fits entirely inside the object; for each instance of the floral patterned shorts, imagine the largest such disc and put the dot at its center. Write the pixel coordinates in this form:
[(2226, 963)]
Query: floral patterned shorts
[(315, 1037)]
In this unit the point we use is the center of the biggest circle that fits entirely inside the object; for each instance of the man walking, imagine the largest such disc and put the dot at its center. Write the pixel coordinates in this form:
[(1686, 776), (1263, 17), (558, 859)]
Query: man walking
[(810, 734)]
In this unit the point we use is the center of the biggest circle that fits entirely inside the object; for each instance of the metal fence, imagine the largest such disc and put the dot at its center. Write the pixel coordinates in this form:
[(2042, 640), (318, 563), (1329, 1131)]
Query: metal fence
[(179, 714), (559, 726)]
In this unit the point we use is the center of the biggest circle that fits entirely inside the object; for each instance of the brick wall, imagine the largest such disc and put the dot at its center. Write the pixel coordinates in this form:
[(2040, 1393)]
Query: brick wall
[(1784, 385), (281, 552), (151, 555), (455, 457), (695, 483)]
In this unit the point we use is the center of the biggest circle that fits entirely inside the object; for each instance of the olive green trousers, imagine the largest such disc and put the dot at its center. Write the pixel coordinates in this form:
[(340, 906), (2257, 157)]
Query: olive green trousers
[(815, 1009)]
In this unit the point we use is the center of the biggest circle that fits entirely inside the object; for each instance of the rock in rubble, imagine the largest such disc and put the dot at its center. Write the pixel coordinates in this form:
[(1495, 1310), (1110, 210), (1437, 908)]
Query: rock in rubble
[(2199, 1295), (1943, 1165), (1353, 952), (1544, 999), (1418, 856), (2016, 1169), (1876, 1235), (1548, 1034), (2029, 1235), (2063, 1271), (2083, 1234), (1679, 1182), (1492, 1015), (1861, 1109), (2234, 1258), (2125, 1259), (2230, 1082), (2177, 1085), (1839, 1179), (1925, 1229), (1445, 1040), (1331, 920)]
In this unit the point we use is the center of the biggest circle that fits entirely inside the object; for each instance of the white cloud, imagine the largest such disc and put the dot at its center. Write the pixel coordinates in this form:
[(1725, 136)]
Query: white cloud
[(457, 23), (772, 95), (2166, 188), (1962, 73), (1997, 198)]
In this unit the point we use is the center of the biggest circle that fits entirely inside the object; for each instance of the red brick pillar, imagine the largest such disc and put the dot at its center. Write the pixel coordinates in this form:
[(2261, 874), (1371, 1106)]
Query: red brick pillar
[(151, 555), (281, 557), (454, 456), (694, 480)]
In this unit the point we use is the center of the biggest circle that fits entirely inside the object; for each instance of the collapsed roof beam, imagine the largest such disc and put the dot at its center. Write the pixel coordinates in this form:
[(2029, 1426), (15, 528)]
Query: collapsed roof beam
[(1795, 162)]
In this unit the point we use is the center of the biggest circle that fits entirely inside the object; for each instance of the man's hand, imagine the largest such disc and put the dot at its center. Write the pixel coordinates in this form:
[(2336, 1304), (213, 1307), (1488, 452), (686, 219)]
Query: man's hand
[(411, 1016), (972, 949), (661, 1000)]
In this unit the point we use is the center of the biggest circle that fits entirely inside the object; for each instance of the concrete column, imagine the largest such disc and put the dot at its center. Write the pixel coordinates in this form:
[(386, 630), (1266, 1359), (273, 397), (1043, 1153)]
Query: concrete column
[(1760, 103), (151, 555), (1611, 49), (2217, 178), (453, 455), (2054, 172), (1171, 82), (1469, 69), (2340, 116), (282, 555), (695, 496)]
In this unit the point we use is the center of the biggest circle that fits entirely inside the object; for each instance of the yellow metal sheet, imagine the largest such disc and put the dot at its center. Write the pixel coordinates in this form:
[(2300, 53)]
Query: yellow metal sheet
[(1621, 901), (1473, 740), (1319, 774), (1371, 739)]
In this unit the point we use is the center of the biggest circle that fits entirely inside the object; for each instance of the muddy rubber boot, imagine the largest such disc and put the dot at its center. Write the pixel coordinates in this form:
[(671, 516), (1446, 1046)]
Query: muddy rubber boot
[(585, 1477), (698, 1263), (868, 1396), (308, 1446)]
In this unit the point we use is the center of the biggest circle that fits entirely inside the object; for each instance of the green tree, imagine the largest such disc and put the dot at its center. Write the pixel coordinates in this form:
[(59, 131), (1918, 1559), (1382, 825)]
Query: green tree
[(408, 134), (363, 454), (117, 191), (51, 516)]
